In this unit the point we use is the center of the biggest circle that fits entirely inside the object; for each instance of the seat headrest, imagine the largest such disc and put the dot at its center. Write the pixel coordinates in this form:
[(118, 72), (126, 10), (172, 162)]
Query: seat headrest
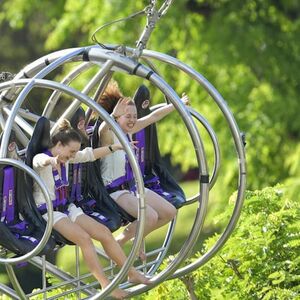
[(78, 115), (141, 99), (40, 139)]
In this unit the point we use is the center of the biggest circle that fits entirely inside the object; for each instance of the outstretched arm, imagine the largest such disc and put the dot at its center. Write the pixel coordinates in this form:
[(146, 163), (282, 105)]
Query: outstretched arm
[(157, 115), (42, 160), (103, 151)]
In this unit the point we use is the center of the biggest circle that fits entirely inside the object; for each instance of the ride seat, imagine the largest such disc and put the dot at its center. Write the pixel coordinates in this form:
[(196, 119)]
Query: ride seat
[(155, 173), (39, 142), (20, 229)]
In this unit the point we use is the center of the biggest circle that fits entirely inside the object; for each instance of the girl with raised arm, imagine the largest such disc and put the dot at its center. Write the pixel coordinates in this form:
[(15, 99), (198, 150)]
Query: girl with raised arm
[(114, 167)]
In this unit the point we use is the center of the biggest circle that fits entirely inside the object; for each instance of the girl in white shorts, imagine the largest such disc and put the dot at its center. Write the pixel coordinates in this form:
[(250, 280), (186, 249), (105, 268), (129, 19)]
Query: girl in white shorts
[(69, 220)]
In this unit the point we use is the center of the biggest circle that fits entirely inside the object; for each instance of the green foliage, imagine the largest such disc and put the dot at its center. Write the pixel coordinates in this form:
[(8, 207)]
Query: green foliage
[(259, 261), (249, 50)]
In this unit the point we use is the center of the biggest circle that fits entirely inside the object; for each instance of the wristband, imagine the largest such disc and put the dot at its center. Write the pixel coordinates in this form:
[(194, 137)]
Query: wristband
[(111, 149)]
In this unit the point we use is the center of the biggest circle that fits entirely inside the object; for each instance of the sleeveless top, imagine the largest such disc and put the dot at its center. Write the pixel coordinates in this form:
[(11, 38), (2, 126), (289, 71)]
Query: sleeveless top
[(113, 166)]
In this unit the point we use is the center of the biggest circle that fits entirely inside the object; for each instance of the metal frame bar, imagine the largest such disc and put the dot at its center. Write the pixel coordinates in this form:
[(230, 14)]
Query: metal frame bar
[(124, 64), (161, 256), (48, 229), (53, 101), (149, 54), (29, 85)]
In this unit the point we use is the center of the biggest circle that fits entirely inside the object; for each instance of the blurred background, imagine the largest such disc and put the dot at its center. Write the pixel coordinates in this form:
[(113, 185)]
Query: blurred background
[(249, 50)]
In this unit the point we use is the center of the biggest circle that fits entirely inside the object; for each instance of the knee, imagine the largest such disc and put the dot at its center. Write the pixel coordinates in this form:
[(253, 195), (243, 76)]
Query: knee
[(106, 235), (151, 217), (171, 213), (83, 238), (168, 213)]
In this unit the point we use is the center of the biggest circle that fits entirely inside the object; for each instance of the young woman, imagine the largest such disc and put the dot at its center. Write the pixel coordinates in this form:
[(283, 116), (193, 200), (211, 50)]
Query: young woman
[(69, 220), (114, 168)]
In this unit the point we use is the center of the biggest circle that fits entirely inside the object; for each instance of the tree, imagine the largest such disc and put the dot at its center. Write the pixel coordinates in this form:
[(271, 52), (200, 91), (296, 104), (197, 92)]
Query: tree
[(259, 261), (249, 50)]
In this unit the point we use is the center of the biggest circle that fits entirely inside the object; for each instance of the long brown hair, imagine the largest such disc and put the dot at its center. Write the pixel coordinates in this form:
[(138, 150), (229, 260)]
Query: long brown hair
[(110, 97)]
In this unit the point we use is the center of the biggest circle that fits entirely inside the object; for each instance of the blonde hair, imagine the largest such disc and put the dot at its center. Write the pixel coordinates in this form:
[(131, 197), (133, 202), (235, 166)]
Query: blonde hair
[(64, 125)]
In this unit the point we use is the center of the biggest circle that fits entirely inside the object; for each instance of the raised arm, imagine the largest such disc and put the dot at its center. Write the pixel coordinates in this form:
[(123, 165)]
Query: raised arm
[(118, 111), (157, 115)]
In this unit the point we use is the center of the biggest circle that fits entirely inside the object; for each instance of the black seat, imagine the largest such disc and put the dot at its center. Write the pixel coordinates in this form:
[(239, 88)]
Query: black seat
[(156, 175), (39, 142), (94, 199), (20, 229), (94, 187)]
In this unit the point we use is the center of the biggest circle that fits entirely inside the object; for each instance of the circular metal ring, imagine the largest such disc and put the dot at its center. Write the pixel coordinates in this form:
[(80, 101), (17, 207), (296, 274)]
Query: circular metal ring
[(37, 249)]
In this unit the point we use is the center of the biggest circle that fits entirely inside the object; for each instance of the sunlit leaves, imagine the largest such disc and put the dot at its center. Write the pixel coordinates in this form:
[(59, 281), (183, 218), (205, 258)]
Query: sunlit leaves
[(249, 50), (260, 260)]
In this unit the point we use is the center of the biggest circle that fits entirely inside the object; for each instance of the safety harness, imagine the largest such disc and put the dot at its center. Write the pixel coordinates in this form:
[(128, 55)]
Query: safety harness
[(125, 182), (151, 181), (87, 205), (9, 212), (60, 203)]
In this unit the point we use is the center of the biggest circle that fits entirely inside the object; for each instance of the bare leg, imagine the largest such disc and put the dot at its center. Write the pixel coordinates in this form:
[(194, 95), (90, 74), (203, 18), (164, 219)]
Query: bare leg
[(80, 237), (113, 249), (130, 204), (165, 210), (158, 213)]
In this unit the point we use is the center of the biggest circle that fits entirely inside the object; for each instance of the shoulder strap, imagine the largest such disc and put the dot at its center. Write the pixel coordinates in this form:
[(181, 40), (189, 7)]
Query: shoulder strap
[(8, 202), (76, 182), (60, 182)]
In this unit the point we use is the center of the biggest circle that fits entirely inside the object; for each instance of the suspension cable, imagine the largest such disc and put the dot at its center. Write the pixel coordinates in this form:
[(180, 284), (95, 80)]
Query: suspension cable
[(153, 16), (94, 39)]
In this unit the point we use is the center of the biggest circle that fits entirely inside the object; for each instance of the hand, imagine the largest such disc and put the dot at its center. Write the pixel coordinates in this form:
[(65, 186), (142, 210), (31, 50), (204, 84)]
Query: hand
[(185, 99), (133, 144), (54, 162), (119, 109)]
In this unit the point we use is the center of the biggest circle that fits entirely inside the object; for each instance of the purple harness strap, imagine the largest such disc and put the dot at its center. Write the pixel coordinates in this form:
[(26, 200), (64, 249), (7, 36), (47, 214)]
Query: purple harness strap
[(8, 204), (117, 182), (98, 216), (153, 184), (87, 206), (124, 182), (140, 151), (8, 214), (20, 226), (61, 184), (76, 183), (28, 238)]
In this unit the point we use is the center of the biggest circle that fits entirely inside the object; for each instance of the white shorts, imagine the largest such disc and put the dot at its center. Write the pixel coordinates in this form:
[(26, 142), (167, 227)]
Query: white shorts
[(116, 195), (73, 213)]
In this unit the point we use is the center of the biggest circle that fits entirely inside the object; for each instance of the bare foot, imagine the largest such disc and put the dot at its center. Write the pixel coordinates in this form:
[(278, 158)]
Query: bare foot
[(119, 294), (137, 277)]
